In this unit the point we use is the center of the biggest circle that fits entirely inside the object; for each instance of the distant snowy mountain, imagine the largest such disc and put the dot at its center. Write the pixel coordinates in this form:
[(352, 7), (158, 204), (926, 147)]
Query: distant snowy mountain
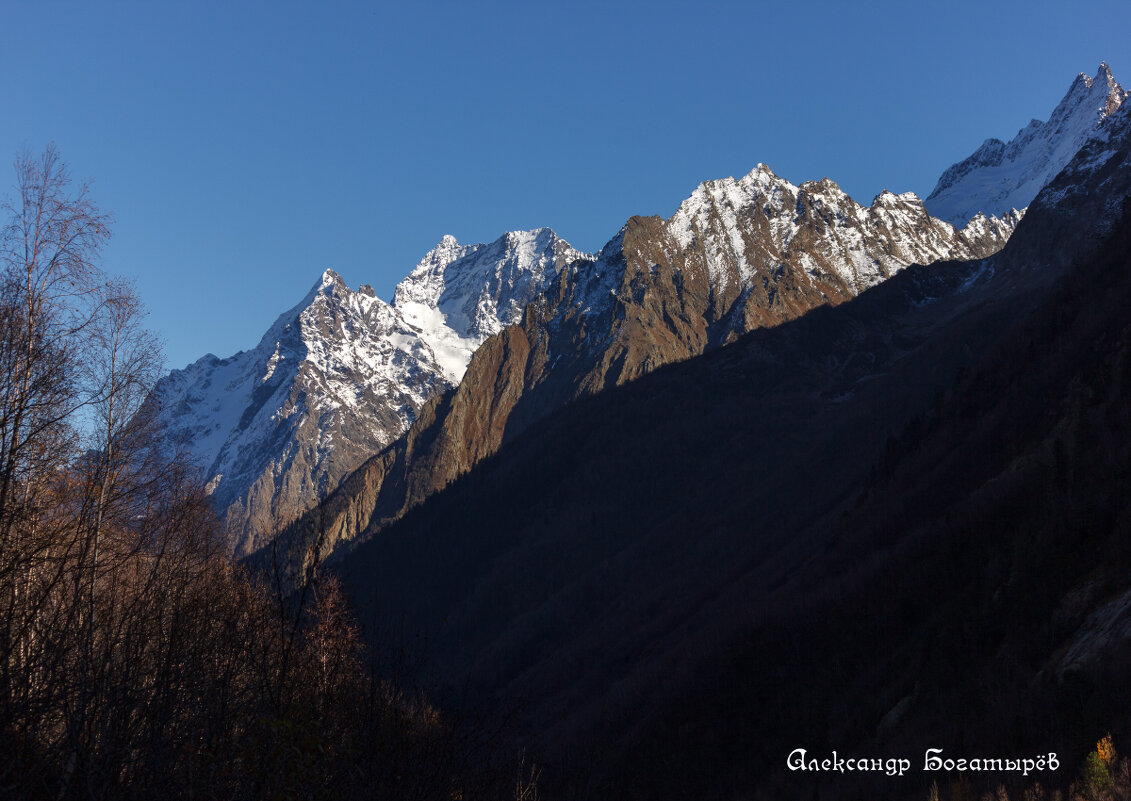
[(342, 374), (999, 178), (457, 295)]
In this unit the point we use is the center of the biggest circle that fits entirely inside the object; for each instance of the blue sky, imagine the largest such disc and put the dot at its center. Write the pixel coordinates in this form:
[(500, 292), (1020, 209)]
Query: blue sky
[(245, 147)]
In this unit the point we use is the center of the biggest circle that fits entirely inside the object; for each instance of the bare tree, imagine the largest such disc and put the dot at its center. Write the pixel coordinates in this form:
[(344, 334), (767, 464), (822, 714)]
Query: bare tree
[(49, 249), (123, 471), (49, 276)]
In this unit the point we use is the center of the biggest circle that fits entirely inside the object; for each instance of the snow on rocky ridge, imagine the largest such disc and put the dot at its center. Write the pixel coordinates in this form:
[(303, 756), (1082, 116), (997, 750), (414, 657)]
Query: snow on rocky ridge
[(342, 374), (999, 177), (457, 296), (754, 222)]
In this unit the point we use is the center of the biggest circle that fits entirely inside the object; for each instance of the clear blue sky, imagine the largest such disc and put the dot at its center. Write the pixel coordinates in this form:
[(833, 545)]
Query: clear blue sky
[(246, 147)]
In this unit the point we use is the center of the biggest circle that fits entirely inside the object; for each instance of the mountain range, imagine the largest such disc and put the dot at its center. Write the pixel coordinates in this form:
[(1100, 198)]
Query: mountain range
[(780, 470), (736, 256), (895, 523), (343, 374)]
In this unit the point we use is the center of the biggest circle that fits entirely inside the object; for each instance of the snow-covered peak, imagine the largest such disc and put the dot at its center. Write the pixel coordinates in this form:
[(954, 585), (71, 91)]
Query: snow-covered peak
[(746, 229), (461, 294), (420, 284), (887, 199), (723, 198), (1088, 100), (329, 285), (825, 192), (450, 264), (1114, 89), (334, 379), (999, 177)]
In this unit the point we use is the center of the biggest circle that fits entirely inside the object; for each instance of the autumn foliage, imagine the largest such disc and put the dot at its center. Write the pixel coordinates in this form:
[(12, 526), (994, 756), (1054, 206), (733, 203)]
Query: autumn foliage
[(1102, 777)]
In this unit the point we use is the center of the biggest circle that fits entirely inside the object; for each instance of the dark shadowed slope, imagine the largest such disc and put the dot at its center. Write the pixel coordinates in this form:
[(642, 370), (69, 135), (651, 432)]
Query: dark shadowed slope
[(974, 596), (884, 524)]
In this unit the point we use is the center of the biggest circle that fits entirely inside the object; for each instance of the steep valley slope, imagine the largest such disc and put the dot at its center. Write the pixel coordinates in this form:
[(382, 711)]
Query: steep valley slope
[(896, 523)]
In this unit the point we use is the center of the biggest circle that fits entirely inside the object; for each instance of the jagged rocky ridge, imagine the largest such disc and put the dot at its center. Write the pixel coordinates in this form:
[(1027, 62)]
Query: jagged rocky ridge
[(999, 177), (737, 255)]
